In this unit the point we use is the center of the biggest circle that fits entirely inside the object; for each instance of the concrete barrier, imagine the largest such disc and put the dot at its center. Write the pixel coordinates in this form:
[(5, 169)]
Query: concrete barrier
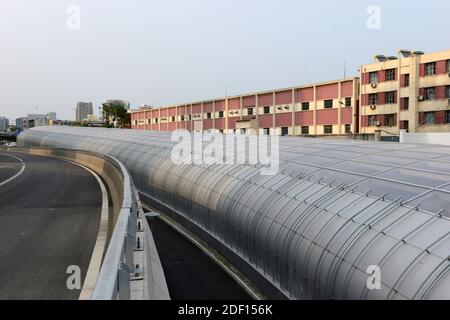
[(442, 138), (131, 268)]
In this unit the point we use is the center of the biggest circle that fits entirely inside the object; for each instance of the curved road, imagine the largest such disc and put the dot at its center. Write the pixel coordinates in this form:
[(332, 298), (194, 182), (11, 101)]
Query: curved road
[(49, 219)]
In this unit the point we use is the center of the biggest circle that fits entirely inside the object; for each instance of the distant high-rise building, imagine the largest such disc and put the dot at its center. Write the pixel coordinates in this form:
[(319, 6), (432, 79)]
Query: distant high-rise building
[(83, 110), (4, 124), (19, 123), (38, 120)]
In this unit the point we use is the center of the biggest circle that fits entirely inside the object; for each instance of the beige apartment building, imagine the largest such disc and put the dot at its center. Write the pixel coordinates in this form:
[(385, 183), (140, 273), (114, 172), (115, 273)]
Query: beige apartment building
[(409, 91)]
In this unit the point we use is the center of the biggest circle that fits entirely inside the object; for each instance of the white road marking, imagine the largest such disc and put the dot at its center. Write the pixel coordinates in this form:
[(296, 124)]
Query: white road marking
[(17, 174)]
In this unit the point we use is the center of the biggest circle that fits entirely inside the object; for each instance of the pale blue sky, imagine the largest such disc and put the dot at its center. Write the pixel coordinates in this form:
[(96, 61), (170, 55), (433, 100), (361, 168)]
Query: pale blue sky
[(173, 51)]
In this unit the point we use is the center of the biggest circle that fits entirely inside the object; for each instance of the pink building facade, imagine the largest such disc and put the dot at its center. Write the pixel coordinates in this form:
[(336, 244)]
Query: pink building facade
[(329, 108)]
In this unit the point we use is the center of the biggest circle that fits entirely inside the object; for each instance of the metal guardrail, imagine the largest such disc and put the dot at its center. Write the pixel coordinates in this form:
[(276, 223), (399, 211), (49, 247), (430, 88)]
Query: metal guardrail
[(118, 267)]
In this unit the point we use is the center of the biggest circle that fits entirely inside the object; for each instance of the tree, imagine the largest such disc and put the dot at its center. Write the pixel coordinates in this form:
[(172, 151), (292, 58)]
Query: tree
[(116, 116)]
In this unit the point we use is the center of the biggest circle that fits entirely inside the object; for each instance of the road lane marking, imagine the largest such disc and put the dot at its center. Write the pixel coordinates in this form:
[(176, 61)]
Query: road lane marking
[(17, 174)]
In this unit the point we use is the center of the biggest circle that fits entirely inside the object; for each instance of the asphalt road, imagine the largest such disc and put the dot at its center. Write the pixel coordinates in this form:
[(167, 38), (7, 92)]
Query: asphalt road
[(49, 220), (191, 274), (9, 166)]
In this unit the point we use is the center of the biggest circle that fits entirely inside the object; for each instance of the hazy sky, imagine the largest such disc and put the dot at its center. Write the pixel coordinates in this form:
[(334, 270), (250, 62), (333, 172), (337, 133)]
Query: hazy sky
[(173, 51)]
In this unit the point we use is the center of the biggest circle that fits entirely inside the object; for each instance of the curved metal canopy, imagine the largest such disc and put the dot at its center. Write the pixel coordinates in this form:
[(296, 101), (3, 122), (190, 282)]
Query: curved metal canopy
[(335, 208)]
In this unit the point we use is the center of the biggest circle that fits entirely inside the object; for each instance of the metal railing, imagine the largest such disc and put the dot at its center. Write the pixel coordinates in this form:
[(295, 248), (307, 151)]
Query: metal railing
[(118, 267)]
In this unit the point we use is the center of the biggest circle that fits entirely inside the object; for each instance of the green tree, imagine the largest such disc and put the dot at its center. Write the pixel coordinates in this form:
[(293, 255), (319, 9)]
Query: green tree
[(116, 116)]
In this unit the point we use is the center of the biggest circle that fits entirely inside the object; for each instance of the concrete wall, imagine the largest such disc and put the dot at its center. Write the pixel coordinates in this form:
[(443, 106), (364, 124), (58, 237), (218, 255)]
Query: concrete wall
[(425, 137)]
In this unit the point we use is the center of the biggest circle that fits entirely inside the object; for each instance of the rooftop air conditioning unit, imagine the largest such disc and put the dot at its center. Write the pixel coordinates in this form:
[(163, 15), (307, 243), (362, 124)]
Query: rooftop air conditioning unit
[(421, 98), (374, 85)]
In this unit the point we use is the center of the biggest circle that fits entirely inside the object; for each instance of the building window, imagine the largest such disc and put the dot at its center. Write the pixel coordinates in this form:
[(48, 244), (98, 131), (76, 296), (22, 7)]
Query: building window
[(430, 93), (348, 128), (447, 116), (173, 119), (221, 131), (190, 117), (208, 115), (328, 129), (405, 103), (156, 120), (407, 80), (429, 118), (430, 68), (373, 77), (182, 118), (373, 121), (284, 131), (447, 92), (390, 97), (266, 110), (390, 75), (348, 102), (305, 130), (220, 114), (448, 66), (328, 104), (389, 120), (305, 106), (266, 131), (250, 111), (373, 98)]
